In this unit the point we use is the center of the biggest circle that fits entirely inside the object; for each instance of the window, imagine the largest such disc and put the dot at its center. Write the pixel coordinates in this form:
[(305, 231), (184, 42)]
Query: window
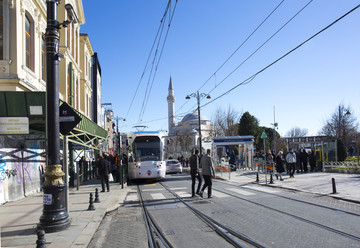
[(72, 39), (43, 59), (1, 31), (28, 42)]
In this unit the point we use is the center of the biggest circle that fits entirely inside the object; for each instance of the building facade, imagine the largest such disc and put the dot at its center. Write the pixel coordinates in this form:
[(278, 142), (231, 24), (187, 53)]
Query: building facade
[(22, 91)]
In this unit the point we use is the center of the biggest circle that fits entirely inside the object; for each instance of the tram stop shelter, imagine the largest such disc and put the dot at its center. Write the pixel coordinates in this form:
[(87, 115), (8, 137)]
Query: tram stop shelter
[(242, 146), (325, 147)]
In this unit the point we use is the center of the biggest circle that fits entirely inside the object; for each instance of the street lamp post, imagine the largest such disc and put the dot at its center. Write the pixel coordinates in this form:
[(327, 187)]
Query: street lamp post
[(55, 217), (197, 95)]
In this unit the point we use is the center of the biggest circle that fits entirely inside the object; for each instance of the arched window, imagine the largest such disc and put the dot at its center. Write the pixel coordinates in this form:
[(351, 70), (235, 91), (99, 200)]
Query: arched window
[(28, 42)]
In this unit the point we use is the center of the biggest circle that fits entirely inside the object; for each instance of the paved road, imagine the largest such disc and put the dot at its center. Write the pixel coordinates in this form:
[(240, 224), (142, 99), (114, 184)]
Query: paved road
[(275, 217)]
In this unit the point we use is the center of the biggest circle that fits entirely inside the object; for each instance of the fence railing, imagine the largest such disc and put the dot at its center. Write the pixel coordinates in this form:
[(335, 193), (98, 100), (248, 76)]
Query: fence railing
[(341, 166)]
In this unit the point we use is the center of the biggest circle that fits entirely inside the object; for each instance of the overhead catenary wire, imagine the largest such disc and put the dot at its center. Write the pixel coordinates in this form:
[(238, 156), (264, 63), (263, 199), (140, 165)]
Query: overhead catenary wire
[(252, 77), (148, 59), (249, 79), (236, 50), (146, 99)]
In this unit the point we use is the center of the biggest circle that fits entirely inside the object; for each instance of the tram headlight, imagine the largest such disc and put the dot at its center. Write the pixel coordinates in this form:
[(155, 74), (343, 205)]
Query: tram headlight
[(138, 164)]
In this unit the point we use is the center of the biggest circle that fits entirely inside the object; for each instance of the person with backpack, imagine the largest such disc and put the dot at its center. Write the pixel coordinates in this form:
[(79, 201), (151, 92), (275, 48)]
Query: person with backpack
[(195, 173)]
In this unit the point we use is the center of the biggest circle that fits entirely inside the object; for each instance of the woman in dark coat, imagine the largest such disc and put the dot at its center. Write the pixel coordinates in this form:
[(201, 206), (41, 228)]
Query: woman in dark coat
[(279, 165), (312, 161)]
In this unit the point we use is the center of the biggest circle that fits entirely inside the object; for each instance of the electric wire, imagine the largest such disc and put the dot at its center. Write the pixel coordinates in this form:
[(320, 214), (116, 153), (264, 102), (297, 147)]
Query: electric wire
[(158, 62), (252, 77), (261, 46), (147, 61), (247, 38), (249, 79)]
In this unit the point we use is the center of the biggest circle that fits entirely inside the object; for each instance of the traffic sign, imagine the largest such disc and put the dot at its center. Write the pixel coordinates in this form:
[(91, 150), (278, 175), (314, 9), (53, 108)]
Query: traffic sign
[(263, 135), (68, 119)]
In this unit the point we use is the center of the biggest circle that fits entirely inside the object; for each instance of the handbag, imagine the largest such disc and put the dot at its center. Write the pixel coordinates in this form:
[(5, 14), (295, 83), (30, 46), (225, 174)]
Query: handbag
[(111, 179)]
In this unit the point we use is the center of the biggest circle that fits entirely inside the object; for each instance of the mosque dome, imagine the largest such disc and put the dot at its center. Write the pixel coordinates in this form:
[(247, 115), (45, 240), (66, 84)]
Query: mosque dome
[(193, 117)]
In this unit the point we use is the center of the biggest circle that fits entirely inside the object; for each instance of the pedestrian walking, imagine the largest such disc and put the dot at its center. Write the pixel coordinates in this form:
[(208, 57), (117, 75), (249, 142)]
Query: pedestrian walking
[(104, 169), (195, 173), (279, 165), (298, 161), (291, 160), (208, 172)]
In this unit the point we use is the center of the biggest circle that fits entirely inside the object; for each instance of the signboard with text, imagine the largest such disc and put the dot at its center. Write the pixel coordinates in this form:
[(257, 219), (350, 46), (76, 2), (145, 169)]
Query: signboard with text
[(14, 125)]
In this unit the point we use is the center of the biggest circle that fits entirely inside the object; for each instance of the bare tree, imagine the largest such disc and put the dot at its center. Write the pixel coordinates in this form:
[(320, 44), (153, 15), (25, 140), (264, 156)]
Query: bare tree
[(297, 132), (226, 122), (341, 124)]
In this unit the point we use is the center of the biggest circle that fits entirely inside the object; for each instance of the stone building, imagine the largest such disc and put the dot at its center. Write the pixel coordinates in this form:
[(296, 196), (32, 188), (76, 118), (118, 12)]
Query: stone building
[(183, 137)]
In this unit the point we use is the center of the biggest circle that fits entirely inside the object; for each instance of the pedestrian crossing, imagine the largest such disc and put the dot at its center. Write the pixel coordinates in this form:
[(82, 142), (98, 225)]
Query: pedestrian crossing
[(183, 192)]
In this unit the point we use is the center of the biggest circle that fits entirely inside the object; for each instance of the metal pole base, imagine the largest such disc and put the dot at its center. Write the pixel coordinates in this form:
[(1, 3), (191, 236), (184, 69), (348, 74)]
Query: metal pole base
[(54, 217)]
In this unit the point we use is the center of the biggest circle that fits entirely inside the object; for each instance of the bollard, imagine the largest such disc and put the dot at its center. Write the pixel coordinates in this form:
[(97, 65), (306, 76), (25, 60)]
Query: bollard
[(257, 176), (91, 201), (40, 242), (271, 179), (333, 185), (97, 200)]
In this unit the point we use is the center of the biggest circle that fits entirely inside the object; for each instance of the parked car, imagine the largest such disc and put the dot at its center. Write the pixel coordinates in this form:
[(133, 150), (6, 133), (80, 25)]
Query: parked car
[(173, 166)]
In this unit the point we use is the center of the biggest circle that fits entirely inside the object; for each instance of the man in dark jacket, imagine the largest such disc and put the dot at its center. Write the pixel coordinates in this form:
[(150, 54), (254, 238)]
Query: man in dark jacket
[(208, 171), (104, 169), (194, 172)]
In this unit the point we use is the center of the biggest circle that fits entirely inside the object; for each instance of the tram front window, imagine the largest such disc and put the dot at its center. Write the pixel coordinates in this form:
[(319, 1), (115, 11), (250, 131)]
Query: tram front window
[(147, 149)]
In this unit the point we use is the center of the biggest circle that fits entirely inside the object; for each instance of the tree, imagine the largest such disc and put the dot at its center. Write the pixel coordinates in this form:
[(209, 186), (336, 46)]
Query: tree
[(341, 124), (226, 122), (341, 150), (249, 125), (297, 132)]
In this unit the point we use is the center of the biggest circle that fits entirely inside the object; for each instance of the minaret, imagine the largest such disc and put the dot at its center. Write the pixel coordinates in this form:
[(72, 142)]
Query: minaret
[(171, 106)]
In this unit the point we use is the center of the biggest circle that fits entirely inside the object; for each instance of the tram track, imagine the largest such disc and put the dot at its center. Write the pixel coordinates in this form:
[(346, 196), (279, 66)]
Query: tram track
[(220, 229), (293, 215), (292, 199), (151, 226)]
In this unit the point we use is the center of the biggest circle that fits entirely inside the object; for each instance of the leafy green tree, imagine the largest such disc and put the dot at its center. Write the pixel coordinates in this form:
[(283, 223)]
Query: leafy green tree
[(249, 125)]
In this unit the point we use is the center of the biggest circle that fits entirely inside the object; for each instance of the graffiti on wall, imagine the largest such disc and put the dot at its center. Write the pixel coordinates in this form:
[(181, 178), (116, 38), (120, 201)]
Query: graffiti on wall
[(24, 160)]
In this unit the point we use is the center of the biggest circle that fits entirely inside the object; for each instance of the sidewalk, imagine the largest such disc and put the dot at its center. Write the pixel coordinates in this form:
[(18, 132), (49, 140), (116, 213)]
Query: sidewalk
[(347, 185), (19, 219)]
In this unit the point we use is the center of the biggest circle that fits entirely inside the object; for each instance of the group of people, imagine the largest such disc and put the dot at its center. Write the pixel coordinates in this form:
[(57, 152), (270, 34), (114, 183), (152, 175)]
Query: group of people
[(295, 161), (108, 167), (207, 172)]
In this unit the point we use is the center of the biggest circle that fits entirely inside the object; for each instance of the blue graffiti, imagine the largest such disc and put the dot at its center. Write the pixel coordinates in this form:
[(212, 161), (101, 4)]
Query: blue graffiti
[(2, 170)]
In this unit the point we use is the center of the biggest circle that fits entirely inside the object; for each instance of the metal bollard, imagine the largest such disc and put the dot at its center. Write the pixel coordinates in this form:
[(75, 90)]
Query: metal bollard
[(97, 200), (333, 185), (91, 201), (40, 242), (271, 179), (257, 176)]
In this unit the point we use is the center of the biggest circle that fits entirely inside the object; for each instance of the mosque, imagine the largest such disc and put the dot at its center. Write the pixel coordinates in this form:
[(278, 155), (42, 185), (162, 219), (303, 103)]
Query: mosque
[(183, 137)]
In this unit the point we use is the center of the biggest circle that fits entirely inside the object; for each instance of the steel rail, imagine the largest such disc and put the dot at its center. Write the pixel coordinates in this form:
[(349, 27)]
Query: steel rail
[(293, 199), (294, 216), (218, 227), (149, 222)]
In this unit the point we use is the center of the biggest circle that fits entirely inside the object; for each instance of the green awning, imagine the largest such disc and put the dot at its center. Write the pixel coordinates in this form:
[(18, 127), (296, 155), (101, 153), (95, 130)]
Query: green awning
[(32, 105)]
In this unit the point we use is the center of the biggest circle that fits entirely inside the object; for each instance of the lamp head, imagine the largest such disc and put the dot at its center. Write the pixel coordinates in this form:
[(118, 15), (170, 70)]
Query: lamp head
[(71, 13), (208, 97), (187, 97)]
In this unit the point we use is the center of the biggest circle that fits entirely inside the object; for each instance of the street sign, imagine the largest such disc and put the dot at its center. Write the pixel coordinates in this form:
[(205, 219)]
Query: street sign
[(68, 119), (263, 135)]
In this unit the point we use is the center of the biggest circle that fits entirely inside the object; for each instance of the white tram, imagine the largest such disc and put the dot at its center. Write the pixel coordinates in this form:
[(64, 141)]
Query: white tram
[(146, 155)]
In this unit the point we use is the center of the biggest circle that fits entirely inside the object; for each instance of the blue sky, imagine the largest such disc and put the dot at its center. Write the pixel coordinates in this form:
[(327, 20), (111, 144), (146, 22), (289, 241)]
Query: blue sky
[(305, 87)]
